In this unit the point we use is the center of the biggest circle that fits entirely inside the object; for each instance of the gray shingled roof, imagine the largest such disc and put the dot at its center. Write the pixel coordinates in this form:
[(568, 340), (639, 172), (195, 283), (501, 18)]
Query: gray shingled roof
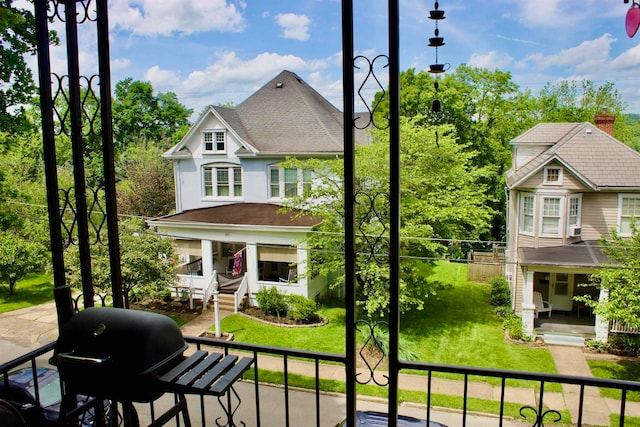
[(595, 157), (287, 115)]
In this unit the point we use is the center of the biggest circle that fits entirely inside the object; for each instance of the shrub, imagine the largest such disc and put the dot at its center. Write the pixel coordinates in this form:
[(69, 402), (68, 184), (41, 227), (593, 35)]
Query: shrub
[(513, 325), (500, 293), (625, 344), (502, 311), (272, 302), (301, 308)]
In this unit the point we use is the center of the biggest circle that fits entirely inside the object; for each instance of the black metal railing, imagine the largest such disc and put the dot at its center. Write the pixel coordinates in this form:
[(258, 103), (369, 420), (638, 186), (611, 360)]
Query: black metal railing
[(288, 387)]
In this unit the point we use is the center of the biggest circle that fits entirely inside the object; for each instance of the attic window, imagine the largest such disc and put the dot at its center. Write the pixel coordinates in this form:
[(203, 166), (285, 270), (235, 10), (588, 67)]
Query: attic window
[(214, 141), (553, 176), (279, 85)]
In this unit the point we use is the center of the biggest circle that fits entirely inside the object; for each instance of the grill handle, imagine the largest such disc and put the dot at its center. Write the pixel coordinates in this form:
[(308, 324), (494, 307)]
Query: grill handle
[(81, 360)]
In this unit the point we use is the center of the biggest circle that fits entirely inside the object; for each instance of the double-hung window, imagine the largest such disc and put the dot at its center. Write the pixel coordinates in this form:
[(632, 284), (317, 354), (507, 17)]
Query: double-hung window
[(551, 214), (573, 215), (288, 182), (214, 141), (629, 208), (528, 213), (222, 181)]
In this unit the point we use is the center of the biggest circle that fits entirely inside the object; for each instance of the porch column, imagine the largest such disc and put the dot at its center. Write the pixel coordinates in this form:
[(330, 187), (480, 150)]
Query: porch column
[(528, 307), (252, 268), (302, 265), (602, 324), (207, 258)]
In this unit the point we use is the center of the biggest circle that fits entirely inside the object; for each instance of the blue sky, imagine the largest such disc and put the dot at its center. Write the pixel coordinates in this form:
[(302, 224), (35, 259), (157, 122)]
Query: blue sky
[(218, 51)]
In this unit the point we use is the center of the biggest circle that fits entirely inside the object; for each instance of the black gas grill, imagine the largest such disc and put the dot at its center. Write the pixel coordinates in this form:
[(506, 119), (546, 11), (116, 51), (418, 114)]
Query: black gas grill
[(136, 356)]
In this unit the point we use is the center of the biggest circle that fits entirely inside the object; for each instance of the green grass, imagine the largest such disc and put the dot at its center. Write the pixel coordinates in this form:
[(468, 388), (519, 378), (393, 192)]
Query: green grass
[(437, 400), (328, 338), (618, 371), (628, 421), (456, 327), (32, 290)]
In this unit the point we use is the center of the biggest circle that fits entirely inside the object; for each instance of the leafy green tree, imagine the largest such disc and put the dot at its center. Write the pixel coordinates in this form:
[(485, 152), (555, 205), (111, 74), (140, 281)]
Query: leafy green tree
[(141, 116), (449, 204), (17, 32), (18, 257), (621, 279), (487, 110), (148, 262), (578, 101), (146, 186)]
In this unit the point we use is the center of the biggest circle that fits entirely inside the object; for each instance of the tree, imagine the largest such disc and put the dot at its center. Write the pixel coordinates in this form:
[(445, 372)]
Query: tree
[(148, 262), (18, 257), (17, 32), (578, 101), (449, 204), (621, 279), (146, 188), (141, 116)]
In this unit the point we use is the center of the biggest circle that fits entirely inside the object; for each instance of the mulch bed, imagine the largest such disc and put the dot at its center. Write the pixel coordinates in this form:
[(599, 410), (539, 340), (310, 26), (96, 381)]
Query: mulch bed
[(175, 307), (258, 314)]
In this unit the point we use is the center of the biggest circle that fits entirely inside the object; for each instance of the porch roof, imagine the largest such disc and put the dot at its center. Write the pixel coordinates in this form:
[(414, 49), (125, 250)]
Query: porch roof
[(254, 214), (582, 254)]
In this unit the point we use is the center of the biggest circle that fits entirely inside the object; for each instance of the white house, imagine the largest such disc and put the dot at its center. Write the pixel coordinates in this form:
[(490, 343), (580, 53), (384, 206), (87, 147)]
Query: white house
[(229, 184)]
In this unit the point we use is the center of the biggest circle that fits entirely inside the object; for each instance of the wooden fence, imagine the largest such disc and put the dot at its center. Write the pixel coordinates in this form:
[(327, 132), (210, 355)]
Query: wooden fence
[(484, 266), (622, 328)]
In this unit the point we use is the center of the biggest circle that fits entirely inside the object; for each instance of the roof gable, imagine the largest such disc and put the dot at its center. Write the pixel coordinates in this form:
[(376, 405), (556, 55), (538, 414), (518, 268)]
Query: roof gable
[(596, 158), (286, 116)]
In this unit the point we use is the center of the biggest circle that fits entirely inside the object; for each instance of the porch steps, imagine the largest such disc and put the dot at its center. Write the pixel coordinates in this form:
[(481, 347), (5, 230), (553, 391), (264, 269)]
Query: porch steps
[(225, 302), (563, 339)]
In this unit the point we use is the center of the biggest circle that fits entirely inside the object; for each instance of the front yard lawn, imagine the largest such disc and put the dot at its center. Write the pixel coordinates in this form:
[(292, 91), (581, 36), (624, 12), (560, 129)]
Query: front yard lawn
[(622, 370), (32, 290), (457, 327)]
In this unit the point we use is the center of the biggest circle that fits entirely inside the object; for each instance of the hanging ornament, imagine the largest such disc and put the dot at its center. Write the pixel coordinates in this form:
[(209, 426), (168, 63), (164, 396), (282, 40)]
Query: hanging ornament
[(632, 21), (436, 41)]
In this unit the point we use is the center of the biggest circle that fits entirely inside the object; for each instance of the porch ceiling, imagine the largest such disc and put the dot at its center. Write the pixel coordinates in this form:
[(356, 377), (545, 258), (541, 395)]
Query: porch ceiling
[(583, 254)]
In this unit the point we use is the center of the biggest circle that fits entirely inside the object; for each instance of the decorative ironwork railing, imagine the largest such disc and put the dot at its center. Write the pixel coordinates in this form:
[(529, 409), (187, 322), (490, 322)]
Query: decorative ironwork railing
[(298, 388)]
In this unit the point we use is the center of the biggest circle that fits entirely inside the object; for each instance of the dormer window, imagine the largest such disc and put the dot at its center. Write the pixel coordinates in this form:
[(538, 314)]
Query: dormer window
[(552, 175), (214, 141)]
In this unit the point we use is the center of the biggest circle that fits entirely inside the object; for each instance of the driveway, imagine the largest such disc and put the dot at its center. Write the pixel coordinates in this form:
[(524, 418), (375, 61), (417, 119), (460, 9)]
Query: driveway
[(27, 329)]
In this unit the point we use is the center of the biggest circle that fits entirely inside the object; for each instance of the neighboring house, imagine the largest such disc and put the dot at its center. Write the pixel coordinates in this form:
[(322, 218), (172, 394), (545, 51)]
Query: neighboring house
[(229, 185), (570, 184)]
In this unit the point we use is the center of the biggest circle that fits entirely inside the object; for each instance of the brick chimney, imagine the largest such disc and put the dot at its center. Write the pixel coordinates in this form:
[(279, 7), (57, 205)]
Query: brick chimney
[(604, 122)]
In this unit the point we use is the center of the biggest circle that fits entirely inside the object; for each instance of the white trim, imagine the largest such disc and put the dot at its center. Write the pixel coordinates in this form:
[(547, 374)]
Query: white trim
[(545, 174), (214, 142), (533, 214), (622, 196), (214, 166), (578, 223), (561, 200)]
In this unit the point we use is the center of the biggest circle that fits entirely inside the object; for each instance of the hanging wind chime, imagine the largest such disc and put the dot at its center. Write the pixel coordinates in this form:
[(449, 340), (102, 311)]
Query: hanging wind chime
[(437, 68)]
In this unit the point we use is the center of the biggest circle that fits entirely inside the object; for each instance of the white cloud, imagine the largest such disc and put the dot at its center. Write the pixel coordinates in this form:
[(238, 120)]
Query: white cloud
[(167, 17), (490, 60), (229, 78), (628, 60), (295, 27), (556, 14), (120, 64), (582, 58)]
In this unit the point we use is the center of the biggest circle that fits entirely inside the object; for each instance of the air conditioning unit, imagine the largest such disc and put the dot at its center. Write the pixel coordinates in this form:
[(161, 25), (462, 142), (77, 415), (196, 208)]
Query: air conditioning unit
[(575, 231)]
